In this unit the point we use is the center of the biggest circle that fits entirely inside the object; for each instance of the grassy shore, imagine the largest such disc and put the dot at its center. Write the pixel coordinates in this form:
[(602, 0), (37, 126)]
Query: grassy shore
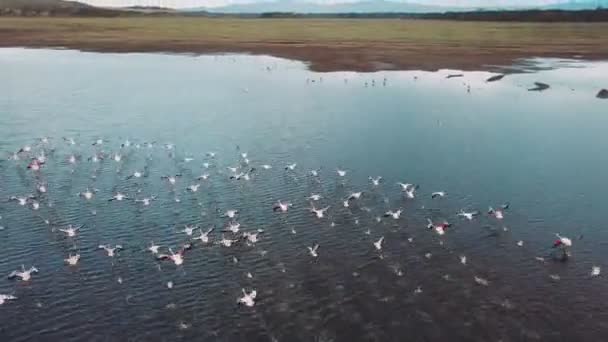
[(328, 44)]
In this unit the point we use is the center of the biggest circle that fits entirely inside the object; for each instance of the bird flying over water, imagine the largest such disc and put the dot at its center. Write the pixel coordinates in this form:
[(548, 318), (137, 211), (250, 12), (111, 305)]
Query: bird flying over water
[(24, 275), (248, 299), (177, 258)]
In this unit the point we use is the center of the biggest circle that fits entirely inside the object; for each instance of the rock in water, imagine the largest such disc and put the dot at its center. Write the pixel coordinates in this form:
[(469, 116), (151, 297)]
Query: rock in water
[(495, 78), (539, 86), (603, 94)]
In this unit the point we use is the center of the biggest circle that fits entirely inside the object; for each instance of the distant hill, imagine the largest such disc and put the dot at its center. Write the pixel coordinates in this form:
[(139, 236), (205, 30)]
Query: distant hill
[(379, 6), (574, 5), (383, 6), (51, 8), (42, 8)]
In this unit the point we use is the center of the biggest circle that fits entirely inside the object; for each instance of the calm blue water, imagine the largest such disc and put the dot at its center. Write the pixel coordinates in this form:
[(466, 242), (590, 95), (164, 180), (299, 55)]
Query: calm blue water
[(545, 153)]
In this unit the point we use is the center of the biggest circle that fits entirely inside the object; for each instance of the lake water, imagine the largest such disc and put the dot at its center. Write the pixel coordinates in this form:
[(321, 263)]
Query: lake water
[(543, 152)]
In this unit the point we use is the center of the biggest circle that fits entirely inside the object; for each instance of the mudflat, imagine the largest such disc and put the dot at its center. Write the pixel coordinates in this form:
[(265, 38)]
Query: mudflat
[(326, 44)]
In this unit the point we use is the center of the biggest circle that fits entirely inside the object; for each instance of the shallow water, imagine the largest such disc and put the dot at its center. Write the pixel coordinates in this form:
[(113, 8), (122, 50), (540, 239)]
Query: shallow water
[(544, 152)]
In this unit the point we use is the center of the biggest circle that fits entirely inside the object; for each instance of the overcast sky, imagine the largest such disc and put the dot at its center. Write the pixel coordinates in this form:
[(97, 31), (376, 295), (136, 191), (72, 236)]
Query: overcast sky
[(215, 3)]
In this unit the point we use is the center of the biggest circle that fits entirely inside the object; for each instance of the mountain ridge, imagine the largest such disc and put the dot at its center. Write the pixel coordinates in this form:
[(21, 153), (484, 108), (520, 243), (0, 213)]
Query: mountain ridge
[(368, 6)]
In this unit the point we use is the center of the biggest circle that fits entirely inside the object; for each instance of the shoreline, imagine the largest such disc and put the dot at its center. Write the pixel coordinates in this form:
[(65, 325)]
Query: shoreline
[(330, 45)]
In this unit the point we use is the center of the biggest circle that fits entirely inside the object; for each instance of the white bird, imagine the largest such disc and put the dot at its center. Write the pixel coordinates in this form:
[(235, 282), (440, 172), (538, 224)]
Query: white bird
[(25, 149), (319, 212), (595, 271), (204, 237), (520, 243), (206, 165), (111, 251), (177, 258), (481, 281), (375, 180), (41, 158), (341, 173), (438, 194), (252, 238), (119, 197), (95, 158), (35, 165), (14, 156), (171, 179), (231, 213), (562, 241), (283, 207), (146, 201), (243, 175), (136, 174), (439, 228), (411, 192), (70, 141), (463, 259), (378, 244), (314, 197), (24, 274), (346, 204), (498, 213), (72, 260), (226, 242), (233, 169), (35, 205), (204, 176), (313, 250), (394, 214), (88, 194), (468, 215), (405, 186), (291, 167), (22, 200), (72, 159), (248, 299), (4, 298), (266, 167), (314, 173), (70, 230), (233, 227), (355, 195), (41, 188), (153, 248), (193, 187), (189, 229)]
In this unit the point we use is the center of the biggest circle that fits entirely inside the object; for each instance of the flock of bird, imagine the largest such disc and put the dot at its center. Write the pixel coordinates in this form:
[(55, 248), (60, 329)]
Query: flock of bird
[(34, 160)]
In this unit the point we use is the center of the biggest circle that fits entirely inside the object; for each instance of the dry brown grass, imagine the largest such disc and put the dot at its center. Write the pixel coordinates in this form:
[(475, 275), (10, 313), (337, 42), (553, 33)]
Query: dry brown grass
[(329, 44)]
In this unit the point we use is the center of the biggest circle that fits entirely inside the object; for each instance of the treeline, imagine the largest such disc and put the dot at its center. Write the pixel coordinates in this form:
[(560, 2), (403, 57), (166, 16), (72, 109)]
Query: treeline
[(597, 15)]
